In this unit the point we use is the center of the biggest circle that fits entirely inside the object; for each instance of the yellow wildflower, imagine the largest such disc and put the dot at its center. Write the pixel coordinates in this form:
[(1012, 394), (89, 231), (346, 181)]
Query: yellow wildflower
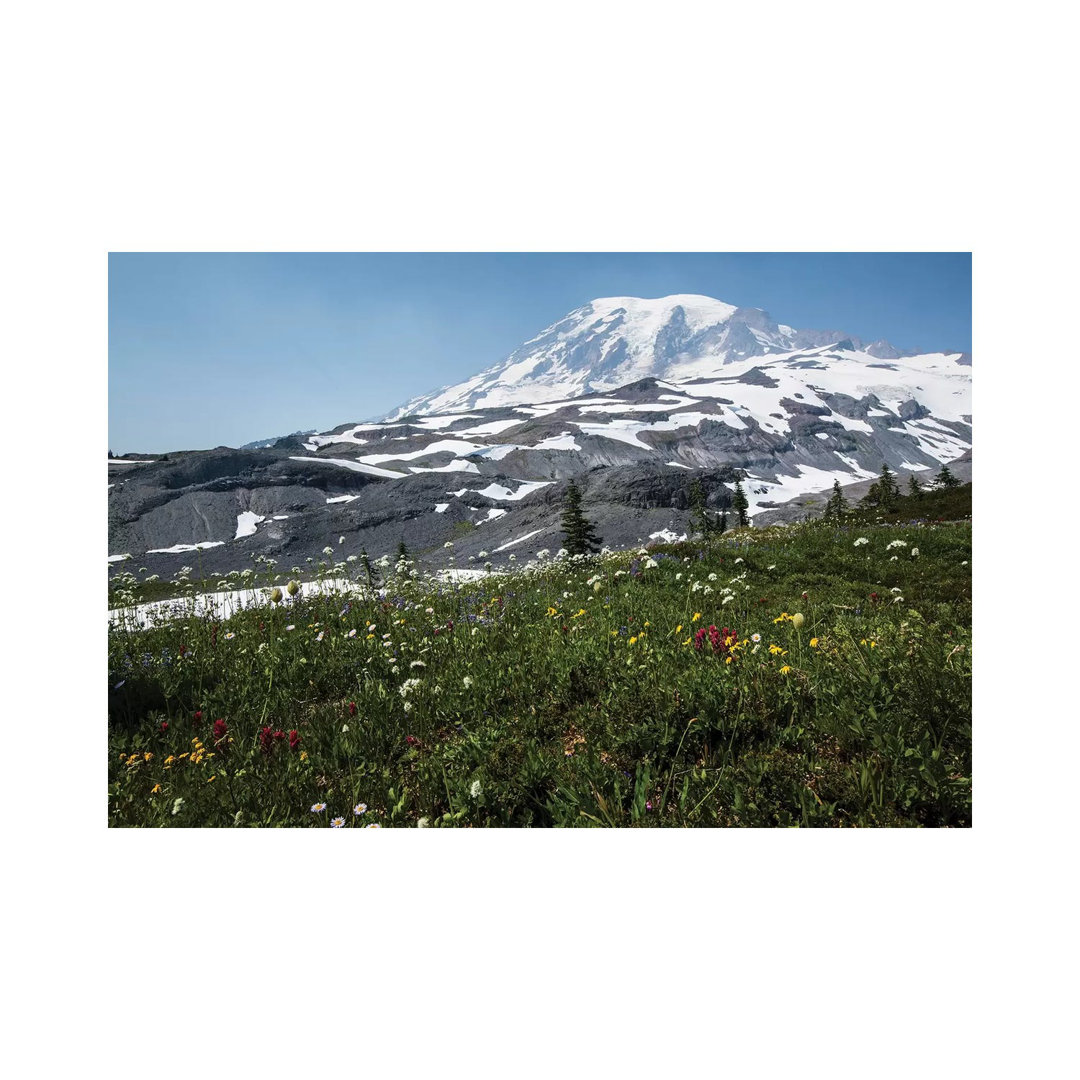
[(785, 669), (632, 640), (155, 789), (212, 779), (813, 643), (552, 612), (775, 650), (697, 615), (147, 756), (646, 622), (783, 617), (688, 640), (678, 629), (370, 636), (303, 755), (578, 615)]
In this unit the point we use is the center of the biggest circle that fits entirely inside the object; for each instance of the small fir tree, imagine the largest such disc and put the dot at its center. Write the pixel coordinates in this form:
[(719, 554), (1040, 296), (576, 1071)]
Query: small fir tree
[(945, 479), (699, 515), (579, 534), (890, 490), (837, 505), (365, 562), (721, 526), (873, 496), (402, 551), (914, 488), (740, 505)]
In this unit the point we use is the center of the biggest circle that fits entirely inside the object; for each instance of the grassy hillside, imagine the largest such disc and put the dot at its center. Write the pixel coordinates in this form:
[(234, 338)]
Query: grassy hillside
[(808, 675)]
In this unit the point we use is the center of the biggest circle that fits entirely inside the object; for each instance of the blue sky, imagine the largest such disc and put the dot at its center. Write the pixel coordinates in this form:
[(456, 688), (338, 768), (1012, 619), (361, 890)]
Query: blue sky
[(212, 349)]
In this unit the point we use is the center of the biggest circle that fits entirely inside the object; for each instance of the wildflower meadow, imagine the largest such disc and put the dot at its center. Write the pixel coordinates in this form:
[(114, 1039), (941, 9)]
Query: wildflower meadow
[(809, 675)]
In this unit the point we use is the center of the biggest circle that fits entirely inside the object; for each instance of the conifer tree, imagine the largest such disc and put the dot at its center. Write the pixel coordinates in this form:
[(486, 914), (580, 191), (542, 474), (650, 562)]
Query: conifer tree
[(890, 490), (873, 496), (837, 505), (365, 562), (945, 479), (739, 504), (914, 488), (579, 534), (721, 527), (402, 551), (699, 515)]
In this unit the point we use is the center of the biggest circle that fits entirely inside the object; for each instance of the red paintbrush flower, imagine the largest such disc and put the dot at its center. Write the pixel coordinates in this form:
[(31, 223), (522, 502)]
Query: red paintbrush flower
[(164, 726), (294, 740), (196, 720), (221, 729), (266, 740), (352, 708)]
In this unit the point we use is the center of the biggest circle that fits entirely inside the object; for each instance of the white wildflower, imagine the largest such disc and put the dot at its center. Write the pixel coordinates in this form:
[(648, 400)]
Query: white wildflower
[(862, 540), (476, 790)]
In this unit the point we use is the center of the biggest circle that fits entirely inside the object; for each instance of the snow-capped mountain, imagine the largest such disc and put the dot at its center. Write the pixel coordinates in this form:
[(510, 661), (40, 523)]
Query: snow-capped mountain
[(617, 340), (636, 398)]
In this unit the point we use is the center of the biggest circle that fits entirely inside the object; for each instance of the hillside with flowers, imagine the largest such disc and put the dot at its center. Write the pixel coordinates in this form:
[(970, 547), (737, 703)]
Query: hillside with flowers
[(817, 674)]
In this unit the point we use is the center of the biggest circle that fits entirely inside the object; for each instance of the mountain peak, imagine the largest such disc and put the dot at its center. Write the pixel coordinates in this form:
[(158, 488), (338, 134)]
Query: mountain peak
[(613, 341)]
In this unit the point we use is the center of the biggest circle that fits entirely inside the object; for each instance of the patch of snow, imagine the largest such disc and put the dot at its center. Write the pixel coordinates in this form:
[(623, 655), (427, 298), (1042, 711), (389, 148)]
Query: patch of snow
[(177, 549), (441, 508), (246, 522), (457, 465), (855, 467), (493, 514), (356, 466), (678, 465), (443, 446), (118, 558), (342, 499), (221, 605), (505, 494), (520, 539)]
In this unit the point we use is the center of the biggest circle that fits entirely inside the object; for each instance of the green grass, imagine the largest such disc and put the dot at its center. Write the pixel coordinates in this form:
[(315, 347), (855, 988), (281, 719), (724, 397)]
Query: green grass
[(547, 698)]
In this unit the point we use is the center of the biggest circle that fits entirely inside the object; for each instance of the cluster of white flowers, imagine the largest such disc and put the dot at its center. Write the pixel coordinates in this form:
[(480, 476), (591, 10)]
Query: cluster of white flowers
[(651, 564), (895, 543), (543, 553), (476, 790), (408, 686), (467, 681), (862, 540), (915, 553)]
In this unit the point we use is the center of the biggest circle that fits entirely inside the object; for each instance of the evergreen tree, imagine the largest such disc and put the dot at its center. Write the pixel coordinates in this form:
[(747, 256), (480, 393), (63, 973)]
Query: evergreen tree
[(699, 515), (722, 525), (873, 496), (914, 488), (890, 490), (111, 454), (740, 505), (579, 534), (945, 479), (837, 505), (365, 562), (402, 551)]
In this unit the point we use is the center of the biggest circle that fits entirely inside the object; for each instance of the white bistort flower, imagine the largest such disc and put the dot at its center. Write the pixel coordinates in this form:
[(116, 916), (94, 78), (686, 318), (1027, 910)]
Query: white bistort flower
[(476, 790), (862, 540)]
